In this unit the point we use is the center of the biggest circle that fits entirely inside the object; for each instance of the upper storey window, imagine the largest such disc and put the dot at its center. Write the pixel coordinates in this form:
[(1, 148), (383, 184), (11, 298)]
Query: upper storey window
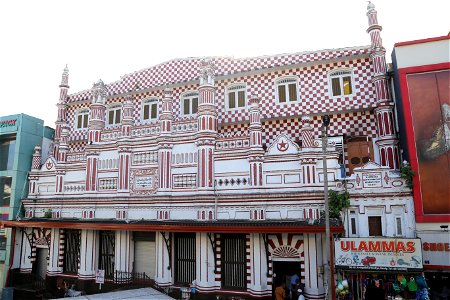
[(287, 89), (236, 96), (150, 109), (114, 114), (190, 103), (82, 119), (341, 82)]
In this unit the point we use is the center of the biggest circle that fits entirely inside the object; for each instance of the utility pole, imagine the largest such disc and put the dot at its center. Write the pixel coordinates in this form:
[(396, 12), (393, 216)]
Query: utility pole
[(327, 267)]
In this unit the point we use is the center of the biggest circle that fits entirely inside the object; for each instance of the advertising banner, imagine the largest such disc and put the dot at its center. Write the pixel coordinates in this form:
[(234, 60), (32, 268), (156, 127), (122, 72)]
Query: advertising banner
[(436, 249), (383, 254)]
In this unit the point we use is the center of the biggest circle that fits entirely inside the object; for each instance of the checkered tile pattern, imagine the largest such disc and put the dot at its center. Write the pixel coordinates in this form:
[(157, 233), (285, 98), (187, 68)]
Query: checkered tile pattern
[(313, 93), (184, 70)]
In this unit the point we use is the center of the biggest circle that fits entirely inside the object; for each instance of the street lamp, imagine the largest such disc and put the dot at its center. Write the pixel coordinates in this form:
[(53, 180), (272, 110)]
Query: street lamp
[(327, 266)]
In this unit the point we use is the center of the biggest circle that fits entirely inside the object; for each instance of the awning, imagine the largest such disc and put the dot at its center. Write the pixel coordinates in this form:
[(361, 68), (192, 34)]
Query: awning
[(216, 226)]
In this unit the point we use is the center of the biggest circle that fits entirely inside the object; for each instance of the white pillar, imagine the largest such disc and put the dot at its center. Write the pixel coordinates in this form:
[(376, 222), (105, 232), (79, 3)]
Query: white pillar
[(258, 260), (205, 262), (89, 254), (314, 264), (54, 267), (25, 259), (163, 275), (123, 258)]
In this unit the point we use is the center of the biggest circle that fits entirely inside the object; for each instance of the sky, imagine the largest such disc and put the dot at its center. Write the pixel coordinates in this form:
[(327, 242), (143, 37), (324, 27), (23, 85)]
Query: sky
[(108, 39)]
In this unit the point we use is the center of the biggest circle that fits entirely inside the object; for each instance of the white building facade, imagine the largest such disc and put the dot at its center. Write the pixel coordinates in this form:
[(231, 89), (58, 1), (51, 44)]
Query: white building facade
[(209, 172)]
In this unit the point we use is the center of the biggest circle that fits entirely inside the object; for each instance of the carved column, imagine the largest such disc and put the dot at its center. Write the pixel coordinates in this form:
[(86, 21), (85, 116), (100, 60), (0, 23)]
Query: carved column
[(207, 127), (256, 155)]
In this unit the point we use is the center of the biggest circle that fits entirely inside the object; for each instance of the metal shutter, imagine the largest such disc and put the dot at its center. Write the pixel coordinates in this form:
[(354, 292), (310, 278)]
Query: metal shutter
[(145, 258)]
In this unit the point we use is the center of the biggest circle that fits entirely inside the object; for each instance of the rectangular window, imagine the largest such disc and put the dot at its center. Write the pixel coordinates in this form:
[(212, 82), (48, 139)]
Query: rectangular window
[(375, 228), (233, 262), (146, 112), (71, 251), (106, 253), (7, 148), (336, 85), (111, 117), (347, 85), (353, 225), (341, 83), (292, 92), (154, 110), (398, 223), (281, 94), (5, 190), (185, 262), (241, 98), (187, 106), (117, 120), (194, 105), (231, 100)]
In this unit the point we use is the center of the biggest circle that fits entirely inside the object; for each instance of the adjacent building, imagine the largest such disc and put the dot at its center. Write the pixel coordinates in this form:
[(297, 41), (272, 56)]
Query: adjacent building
[(19, 134), (422, 76), (208, 172)]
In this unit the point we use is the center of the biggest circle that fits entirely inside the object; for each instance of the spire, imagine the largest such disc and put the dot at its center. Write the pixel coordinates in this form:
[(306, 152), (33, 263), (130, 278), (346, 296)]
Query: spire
[(65, 78)]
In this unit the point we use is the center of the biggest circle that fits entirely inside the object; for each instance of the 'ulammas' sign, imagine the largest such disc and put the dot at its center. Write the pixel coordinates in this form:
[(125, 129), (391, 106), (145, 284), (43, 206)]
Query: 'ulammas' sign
[(378, 254)]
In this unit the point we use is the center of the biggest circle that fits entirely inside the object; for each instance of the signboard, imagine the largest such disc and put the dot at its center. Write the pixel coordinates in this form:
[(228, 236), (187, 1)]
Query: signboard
[(100, 276), (385, 254), (436, 248), (8, 123), (371, 180), (144, 182)]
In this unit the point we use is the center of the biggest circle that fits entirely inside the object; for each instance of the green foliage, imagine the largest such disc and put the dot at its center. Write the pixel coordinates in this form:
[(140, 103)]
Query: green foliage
[(48, 213), (337, 202), (407, 173)]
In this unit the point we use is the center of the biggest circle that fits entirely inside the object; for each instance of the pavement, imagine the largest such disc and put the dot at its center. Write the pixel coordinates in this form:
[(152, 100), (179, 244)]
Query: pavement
[(144, 294)]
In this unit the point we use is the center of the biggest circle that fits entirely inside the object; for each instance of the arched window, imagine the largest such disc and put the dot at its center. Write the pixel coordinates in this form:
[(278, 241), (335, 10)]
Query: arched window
[(341, 83), (287, 89), (189, 103), (82, 119), (150, 109), (114, 114), (236, 96)]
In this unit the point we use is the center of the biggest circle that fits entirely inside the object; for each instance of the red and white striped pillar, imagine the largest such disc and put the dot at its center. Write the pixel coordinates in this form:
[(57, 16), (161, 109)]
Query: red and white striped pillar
[(207, 127), (91, 171), (124, 170), (62, 110), (387, 141), (97, 112), (256, 155)]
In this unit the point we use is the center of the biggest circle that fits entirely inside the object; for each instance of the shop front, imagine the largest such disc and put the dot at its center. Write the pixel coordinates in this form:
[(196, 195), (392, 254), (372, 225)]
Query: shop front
[(384, 267), (436, 262)]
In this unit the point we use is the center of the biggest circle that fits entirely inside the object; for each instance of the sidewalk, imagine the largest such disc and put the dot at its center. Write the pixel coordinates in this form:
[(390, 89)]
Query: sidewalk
[(145, 293)]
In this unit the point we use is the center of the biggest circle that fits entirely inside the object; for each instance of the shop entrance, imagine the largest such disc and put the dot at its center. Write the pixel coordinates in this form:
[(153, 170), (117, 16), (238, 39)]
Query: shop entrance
[(282, 272)]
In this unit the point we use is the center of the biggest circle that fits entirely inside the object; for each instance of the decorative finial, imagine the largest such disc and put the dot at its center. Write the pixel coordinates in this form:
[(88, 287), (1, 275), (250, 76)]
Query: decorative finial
[(370, 6), (66, 69)]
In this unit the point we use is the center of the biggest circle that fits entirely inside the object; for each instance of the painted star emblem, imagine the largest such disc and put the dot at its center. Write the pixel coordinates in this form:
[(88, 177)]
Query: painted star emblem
[(282, 146)]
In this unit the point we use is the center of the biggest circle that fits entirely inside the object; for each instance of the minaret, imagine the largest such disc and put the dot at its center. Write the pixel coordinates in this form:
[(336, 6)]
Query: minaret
[(387, 139), (207, 127), (96, 125), (256, 154), (124, 150), (33, 175), (62, 109), (97, 114), (165, 144)]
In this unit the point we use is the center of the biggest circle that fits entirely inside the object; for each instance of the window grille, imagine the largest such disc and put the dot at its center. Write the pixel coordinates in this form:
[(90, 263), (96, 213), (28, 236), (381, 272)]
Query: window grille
[(185, 262), (233, 262), (71, 251), (106, 253)]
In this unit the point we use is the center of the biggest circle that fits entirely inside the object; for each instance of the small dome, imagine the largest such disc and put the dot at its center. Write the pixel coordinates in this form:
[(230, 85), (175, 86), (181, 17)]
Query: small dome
[(370, 6)]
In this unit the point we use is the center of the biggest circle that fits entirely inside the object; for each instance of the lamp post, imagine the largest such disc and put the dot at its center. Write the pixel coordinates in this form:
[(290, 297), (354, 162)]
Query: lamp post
[(327, 267)]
